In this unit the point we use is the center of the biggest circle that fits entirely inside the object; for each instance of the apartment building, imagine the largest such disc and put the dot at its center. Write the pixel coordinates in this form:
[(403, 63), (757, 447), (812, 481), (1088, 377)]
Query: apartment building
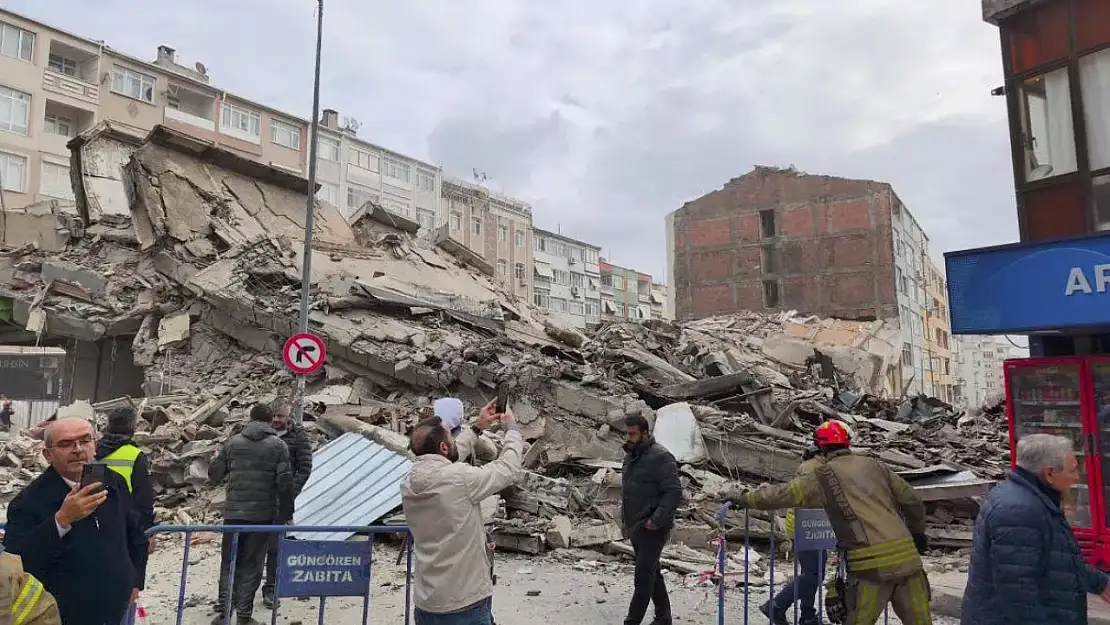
[(979, 378), (496, 227), (938, 335), (627, 294), (660, 301), (54, 84), (780, 239), (567, 278), (352, 171)]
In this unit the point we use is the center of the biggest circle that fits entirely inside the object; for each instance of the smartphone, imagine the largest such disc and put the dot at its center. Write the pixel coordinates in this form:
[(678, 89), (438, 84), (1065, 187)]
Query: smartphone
[(502, 398), (94, 472)]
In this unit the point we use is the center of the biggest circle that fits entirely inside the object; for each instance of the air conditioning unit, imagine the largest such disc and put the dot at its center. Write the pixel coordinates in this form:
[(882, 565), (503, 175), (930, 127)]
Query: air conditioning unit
[(522, 282), (572, 260), (574, 291)]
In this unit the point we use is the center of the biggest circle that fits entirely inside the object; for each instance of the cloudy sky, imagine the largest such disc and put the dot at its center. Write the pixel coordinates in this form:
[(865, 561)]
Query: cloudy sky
[(608, 114)]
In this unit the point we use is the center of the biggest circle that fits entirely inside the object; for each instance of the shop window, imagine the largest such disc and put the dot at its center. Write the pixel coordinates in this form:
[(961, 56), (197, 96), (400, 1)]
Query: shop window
[(1101, 195), (1094, 82), (1092, 23), (1037, 37), (1055, 212), (1048, 138)]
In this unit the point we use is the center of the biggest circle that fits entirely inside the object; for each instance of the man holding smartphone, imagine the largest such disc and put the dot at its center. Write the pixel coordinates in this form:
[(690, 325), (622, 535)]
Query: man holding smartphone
[(78, 536)]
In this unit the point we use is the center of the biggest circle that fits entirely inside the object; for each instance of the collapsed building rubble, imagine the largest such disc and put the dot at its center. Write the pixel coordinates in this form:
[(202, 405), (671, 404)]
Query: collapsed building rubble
[(192, 254)]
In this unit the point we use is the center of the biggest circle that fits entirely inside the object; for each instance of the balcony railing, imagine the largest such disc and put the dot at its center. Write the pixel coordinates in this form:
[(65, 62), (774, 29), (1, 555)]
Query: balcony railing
[(189, 118), (71, 86)]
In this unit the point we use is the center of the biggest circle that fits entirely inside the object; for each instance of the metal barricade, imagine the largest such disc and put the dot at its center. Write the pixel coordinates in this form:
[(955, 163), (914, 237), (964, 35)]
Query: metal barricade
[(349, 577), (800, 539)]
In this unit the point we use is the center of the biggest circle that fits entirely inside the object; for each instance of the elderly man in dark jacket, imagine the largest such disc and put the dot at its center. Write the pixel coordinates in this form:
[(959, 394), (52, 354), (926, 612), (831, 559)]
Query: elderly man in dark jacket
[(259, 492), (650, 495), (1026, 567), (295, 438)]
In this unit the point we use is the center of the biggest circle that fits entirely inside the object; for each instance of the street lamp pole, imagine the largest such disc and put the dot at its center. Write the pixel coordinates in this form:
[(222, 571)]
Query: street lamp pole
[(310, 205)]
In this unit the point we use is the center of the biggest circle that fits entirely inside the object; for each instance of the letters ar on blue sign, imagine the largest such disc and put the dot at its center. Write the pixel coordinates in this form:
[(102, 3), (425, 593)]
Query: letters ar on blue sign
[(812, 530), (324, 568), (1027, 287)]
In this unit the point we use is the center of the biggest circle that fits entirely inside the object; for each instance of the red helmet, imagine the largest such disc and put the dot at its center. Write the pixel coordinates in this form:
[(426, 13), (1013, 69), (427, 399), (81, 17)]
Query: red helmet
[(832, 432)]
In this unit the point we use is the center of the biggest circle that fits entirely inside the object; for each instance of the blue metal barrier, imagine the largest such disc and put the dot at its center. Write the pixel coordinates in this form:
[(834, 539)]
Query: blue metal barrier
[(722, 562), (351, 561)]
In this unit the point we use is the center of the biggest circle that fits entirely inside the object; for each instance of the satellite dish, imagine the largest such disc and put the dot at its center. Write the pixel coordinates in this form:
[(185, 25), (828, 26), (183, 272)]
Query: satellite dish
[(201, 69)]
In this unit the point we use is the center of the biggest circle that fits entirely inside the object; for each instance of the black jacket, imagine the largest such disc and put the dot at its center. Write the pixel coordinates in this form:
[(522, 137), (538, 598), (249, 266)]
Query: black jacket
[(92, 570), (260, 480), (300, 454), (650, 488), (1026, 566), (142, 489)]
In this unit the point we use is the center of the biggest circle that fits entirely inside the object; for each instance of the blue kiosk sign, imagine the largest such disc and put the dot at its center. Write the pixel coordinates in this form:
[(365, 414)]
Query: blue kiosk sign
[(812, 530), (323, 568)]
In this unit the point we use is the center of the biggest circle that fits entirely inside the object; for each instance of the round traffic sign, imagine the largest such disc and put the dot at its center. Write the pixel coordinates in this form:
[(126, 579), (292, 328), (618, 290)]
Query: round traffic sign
[(304, 353)]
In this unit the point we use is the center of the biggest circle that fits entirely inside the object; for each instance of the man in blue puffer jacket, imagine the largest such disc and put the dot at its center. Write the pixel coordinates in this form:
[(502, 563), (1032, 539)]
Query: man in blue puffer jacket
[(1026, 567)]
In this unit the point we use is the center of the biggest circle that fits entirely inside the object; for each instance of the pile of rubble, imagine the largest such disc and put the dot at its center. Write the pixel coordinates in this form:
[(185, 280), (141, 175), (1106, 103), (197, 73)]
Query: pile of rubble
[(192, 256)]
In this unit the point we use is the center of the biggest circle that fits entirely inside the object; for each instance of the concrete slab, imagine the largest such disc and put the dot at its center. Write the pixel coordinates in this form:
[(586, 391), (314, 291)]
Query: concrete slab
[(948, 595)]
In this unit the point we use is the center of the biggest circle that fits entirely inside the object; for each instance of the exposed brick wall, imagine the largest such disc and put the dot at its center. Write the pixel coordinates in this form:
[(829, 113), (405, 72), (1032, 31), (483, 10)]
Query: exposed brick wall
[(832, 252)]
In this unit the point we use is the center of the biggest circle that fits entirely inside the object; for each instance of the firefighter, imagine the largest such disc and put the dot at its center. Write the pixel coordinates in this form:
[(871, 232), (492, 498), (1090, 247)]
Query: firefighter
[(23, 600), (865, 502)]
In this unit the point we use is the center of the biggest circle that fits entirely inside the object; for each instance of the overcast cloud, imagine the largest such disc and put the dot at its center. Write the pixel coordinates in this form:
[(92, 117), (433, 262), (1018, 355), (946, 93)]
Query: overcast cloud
[(608, 114)]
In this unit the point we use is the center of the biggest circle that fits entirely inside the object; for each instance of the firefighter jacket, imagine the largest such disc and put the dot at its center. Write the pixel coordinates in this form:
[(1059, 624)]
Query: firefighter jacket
[(23, 600), (865, 502), (806, 467)]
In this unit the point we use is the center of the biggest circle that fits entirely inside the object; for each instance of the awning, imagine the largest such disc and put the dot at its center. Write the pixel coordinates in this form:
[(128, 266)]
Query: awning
[(543, 270), (608, 306)]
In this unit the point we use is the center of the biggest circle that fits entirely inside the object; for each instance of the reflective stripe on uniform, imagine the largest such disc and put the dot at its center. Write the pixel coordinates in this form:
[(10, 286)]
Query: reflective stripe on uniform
[(890, 553), (27, 600), (790, 524), (122, 461)]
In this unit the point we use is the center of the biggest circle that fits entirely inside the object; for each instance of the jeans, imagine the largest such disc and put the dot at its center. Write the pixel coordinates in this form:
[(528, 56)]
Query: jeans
[(249, 563), (805, 585), (480, 614), (648, 584)]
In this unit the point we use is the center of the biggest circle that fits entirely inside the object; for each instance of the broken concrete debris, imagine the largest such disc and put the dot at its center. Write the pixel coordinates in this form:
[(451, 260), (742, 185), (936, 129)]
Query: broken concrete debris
[(190, 253)]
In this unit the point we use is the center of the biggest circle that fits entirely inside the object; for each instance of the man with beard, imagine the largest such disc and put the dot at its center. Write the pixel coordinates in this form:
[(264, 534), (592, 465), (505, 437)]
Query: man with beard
[(650, 495), (442, 502), (295, 438)]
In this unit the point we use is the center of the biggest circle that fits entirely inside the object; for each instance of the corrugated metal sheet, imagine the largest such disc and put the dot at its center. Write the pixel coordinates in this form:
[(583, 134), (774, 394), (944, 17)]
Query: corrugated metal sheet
[(31, 413), (354, 481)]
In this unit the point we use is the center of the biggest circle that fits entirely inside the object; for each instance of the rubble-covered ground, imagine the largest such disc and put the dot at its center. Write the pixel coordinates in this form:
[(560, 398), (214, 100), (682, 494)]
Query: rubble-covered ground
[(192, 255)]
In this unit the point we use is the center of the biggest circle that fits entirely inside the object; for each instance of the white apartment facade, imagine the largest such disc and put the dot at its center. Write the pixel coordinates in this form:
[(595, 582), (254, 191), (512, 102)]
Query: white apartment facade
[(979, 376), (911, 253), (352, 171), (567, 278)]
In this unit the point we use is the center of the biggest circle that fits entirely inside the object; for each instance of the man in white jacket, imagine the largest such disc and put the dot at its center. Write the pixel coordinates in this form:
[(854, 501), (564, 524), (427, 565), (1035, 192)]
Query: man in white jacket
[(442, 503)]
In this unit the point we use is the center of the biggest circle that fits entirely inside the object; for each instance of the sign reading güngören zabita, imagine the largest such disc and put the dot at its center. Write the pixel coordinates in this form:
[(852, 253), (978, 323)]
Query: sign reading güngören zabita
[(1025, 287), (812, 530), (324, 568)]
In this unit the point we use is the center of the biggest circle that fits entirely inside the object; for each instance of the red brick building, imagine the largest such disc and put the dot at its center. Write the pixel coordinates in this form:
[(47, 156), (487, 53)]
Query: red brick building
[(782, 239)]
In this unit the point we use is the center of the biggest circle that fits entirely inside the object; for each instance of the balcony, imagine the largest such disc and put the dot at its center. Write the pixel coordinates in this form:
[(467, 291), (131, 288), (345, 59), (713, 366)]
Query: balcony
[(61, 123), (185, 117), (61, 84), (72, 72), (191, 108)]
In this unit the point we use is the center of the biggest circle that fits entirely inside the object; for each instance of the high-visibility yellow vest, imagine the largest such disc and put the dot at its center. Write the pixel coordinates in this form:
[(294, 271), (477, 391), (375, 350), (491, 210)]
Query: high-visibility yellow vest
[(122, 461), (790, 525)]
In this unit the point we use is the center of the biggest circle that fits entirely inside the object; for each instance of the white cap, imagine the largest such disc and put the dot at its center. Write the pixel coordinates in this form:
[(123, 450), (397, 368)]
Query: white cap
[(450, 411)]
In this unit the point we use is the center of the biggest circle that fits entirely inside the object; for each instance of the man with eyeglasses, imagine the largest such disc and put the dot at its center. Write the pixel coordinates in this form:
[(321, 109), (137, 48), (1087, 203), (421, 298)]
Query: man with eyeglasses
[(83, 543)]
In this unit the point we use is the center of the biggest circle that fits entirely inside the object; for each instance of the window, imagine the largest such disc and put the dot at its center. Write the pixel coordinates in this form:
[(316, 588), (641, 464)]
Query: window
[(15, 111), (456, 221), (327, 149), (574, 253), (426, 219), (593, 308), (577, 279), (607, 279), (356, 197), (1094, 80), (62, 65), (558, 276), (576, 308), (16, 42), (329, 193), (285, 134), (502, 233), (239, 119), (907, 354), (519, 271), (558, 304), (559, 248), (767, 223), (57, 125), (770, 294), (542, 298), (1101, 191), (396, 169), (591, 256), (361, 158), (55, 181), (540, 243), (1048, 140), (425, 180), (767, 259), (947, 366), (132, 84), (903, 282), (476, 226), (13, 172), (502, 267)]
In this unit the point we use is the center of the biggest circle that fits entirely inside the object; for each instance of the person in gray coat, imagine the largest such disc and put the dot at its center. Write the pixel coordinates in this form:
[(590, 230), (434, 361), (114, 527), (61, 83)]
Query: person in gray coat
[(259, 492)]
